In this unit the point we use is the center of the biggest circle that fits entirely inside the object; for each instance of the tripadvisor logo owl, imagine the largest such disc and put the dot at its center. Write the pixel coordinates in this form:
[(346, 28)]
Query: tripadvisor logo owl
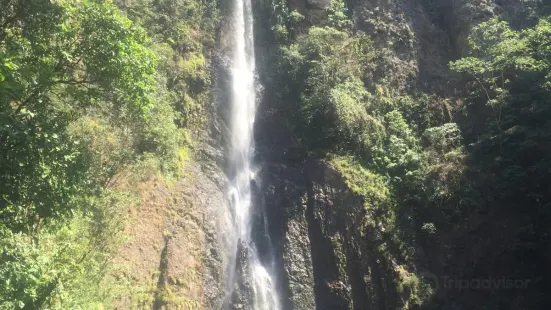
[(485, 283)]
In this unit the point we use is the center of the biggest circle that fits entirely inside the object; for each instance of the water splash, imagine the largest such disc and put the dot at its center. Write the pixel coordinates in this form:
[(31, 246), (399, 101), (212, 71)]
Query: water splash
[(264, 291)]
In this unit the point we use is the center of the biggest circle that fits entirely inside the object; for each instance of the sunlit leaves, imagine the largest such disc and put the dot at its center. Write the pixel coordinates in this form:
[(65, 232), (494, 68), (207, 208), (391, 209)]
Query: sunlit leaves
[(349, 102), (61, 268), (338, 16), (68, 56), (82, 98), (444, 138), (500, 54), (108, 50)]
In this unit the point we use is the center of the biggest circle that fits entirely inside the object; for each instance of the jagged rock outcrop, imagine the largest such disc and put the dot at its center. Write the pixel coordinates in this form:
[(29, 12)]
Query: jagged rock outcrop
[(328, 257), (199, 246), (177, 250), (242, 298)]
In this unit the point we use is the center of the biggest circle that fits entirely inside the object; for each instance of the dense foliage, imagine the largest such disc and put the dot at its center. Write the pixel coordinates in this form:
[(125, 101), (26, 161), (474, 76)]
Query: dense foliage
[(428, 167), (92, 92), (87, 93)]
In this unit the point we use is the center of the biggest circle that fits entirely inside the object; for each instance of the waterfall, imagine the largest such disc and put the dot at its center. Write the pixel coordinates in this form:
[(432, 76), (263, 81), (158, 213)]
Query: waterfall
[(263, 292)]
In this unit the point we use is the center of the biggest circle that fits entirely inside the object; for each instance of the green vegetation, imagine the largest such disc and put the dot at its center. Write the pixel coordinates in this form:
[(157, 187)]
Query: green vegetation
[(90, 93), (95, 96), (426, 166)]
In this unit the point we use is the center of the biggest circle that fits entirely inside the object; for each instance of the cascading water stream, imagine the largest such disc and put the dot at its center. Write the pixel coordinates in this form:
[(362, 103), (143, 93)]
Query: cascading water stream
[(264, 293)]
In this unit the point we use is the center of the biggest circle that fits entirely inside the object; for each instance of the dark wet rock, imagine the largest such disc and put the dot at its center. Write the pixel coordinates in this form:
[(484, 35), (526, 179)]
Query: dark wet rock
[(326, 258), (242, 297), (319, 4), (298, 267)]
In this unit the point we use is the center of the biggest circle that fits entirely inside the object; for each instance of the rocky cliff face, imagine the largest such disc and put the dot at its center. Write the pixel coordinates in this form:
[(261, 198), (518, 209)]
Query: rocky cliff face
[(177, 249), (327, 257)]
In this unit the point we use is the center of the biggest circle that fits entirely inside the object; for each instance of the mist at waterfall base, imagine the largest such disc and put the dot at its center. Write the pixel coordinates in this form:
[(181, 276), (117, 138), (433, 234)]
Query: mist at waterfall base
[(263, 291)]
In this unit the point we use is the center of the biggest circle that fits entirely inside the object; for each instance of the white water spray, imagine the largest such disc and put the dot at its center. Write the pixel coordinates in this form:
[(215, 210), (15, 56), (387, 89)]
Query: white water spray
[(264, 292)]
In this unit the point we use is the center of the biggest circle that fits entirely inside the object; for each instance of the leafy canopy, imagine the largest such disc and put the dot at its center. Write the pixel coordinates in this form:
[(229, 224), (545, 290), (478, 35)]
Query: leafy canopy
[(55, 61)]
